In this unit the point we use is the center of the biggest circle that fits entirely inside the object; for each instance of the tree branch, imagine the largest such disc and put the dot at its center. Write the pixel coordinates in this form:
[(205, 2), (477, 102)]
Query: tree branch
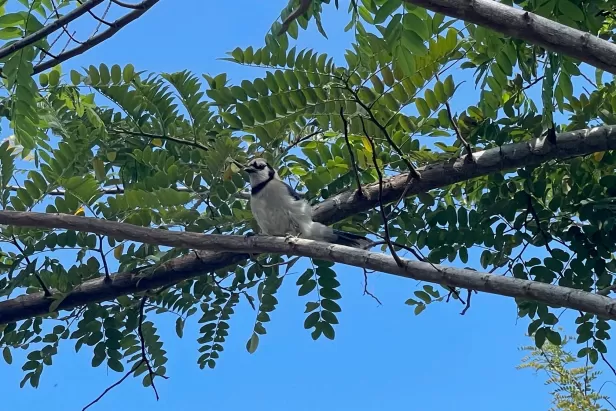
[(335, 208), (421, 271), (116, 26), (50, 28), (530, 27)]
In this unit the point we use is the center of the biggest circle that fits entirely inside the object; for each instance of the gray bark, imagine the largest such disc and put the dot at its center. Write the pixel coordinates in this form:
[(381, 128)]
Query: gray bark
[(513, 156), (531, 27), (438, 274)]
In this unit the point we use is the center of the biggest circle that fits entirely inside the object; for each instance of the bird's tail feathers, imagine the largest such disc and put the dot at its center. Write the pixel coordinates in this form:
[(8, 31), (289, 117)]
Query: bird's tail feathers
[(322, 232), (352, 240)]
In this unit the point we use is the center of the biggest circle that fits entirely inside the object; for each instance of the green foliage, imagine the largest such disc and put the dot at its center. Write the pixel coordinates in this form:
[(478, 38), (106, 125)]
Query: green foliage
[(154, 150), (574, 389)]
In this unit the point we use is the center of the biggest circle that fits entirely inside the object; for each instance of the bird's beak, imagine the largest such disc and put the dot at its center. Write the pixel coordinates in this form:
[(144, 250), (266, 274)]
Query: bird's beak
[(249, 169)]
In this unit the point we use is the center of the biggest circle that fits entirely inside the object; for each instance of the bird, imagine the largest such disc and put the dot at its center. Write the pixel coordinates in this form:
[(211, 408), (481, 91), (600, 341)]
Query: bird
[(282, 212)]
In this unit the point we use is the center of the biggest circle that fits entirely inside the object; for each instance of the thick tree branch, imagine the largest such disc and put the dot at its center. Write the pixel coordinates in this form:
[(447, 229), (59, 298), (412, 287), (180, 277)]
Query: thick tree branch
[(454, 277), (508, 157), (244, 195), (335, 208), (117, 25), (530, 27)]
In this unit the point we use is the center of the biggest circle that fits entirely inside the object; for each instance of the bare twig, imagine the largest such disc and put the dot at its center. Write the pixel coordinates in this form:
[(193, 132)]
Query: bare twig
[(104, 258), (302, 139), (160, 136), (36, 275), (533, 212), (381, 127), (468, 302), (64, 26), (50, 28), (144, 355), (101, 20), (467, 146), (381, 204), (112, 386), (366, 292), (348, 143), (115, 26)]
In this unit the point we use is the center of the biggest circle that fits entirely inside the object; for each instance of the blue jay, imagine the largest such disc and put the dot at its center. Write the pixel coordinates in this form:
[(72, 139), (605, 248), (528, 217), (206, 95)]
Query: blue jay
[(280, 211)]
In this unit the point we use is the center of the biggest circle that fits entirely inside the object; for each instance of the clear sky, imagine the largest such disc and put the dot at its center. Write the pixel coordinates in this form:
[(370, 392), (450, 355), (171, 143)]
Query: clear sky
[(384, 357)]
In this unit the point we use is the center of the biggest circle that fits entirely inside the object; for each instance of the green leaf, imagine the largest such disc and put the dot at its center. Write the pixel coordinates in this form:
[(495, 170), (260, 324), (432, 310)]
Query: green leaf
[(312, 320), (116, 74), (386, 10), (179, 327), (307, 287), (540, 336), (413, 22), (115, 365), (311, 306), (330, 305), (449, 86), (404, 60), (253, 343), (439, 92), (11, 19), (8, 357), (570, 10), (11, 33), (128, 73), (328, 330), (414, 43), (422, 107), (75, 77), (553, 337)]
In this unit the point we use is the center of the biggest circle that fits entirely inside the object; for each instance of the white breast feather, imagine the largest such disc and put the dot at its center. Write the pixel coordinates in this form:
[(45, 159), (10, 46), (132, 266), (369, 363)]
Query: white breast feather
[(278, 214)]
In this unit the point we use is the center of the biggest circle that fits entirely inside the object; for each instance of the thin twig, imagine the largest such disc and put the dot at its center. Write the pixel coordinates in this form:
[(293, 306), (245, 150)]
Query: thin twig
[(607, 362), (162, 137), (50, 28), (101, 20), (467, 146), (120, 381), (95, 17), (36, 275), (366, 292), (381, 205), (144, 356), (407, 187), (116, 26), (468, 302), (381, 127), (102, 253), (301, 139), (348, 143), (64, 26), (533, 212)]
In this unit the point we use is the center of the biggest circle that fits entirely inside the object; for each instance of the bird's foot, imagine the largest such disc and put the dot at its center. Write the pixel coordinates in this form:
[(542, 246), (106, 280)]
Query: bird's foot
[(291, 237), (250, 234)]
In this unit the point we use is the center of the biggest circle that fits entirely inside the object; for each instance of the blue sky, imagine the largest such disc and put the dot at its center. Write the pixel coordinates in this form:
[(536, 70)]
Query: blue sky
[(384, 357)]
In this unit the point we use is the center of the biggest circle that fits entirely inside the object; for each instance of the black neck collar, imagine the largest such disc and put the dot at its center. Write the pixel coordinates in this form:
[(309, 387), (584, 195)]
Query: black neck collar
[(256, 189)]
